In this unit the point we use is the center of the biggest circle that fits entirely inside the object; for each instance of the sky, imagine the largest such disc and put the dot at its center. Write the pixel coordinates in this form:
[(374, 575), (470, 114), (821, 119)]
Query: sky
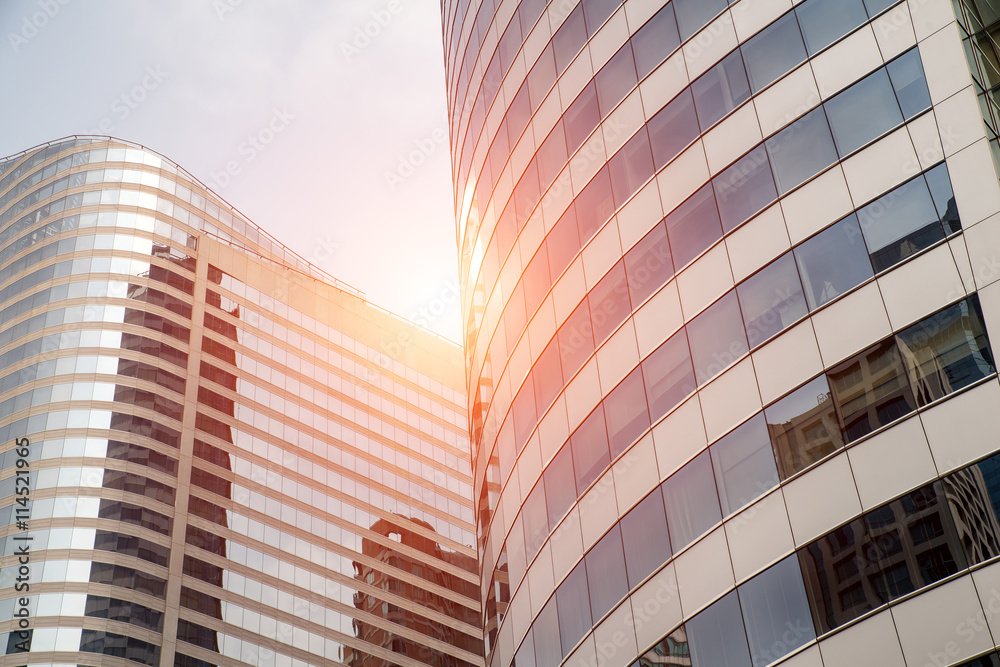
[(355, 172)]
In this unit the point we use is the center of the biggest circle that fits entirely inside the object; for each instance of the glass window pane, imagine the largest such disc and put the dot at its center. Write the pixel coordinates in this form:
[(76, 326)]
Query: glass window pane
[(833, 262), (776, 612), (673, 128), (648, 265), (644, 532), (717, 338), (672, 650), (944, 199), (720, 90), (875, 7), (536, 522), (546, 377), (863, 112), (594, 205), (871, 390), (804, 427), (744, 464), (801, 150), (548, 648), (576, 340), (615, 79), (631, 167), (625, 410), (946, 351), (655, 41), (693, 15), (560, 485), (716, 635), (609, 303), (693, 226), (825, 21), (570, 37), (773, 52), (574, 607), (606, 574), (590, 449), (744, 188), (772, 300), (581, 118), (836, 570), (907, 74), (900, 223), (692, 501), (668, 375)]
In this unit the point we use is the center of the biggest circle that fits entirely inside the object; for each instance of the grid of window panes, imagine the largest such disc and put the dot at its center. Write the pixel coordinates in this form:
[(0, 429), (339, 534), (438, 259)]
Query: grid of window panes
[(550, 177), (327, 515)]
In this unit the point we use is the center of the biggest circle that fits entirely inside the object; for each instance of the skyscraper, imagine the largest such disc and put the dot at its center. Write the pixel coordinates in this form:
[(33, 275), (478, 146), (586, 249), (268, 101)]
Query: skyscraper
[(232, 458), (729, 285)]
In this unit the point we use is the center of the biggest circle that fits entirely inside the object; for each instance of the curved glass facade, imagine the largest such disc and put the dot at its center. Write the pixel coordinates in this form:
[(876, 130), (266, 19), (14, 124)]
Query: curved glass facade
[(213, 453), (729, 295)]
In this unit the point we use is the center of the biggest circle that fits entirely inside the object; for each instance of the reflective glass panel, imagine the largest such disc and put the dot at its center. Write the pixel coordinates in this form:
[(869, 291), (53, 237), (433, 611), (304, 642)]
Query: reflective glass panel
[(772, 300), (644, 533), (716, 635), (693, 15), (693, 226), (648, 265), (574, 607), (946, 351), (744, 188), (668, 375), (776, 612), (900, 223), (672, 128), (863, 112), (590, 449), (744, 464), (773, 51), (801, 150), (717, 338), (825, 21), (655, 41), (606, 573), (560, 485), (907, 74), (833, 262), (944, 199), (871, 390), (720, 90), (804, 426), (691, 500), (625, 410)]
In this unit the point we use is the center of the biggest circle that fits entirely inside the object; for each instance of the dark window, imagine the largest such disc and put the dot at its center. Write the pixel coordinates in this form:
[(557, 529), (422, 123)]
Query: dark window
[(644, 533), (863, 112), (574, 607), (804, 426), (870, 390), (776, 612), (668, 375), (609, 303), (825, 21), (900, 223), (720, 90), (744, 464), (801, 150), (833, 262), (717, 338), (606, 573), (590, 449), (626, 412), (693, 226), (907, 75), (673, 128), (615, 79), (693, 15), (773, 51), (772, 300), (655, 41), (648, 265), (744, 188), (716, 636), (691, 500)]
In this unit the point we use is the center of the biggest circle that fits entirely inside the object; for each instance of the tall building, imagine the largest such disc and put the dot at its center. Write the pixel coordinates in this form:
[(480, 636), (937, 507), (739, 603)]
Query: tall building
[(232, 458), (730, 282)]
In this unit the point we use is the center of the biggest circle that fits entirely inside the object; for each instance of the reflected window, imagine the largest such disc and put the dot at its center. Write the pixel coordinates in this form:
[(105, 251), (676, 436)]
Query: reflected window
[(548, 650), (833, 262), (615, 79), (871, 390), (573, 599), (944, 198), (609, 303), (721, 89), (693, 226), (773, 51), (744, 465), (717, 338), (907, 74), (804, 427), (560, 485), (648, 264), (691, 501), (772, 300), (946, 351), (581, 118), (801, 150), (576, 340), (900, 223), (631, 167), (693, 15), (536, 522)]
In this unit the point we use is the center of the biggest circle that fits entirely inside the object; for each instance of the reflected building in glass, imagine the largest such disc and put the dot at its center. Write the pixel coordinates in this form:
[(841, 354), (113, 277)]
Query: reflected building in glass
[(233, 458), (729, 288)]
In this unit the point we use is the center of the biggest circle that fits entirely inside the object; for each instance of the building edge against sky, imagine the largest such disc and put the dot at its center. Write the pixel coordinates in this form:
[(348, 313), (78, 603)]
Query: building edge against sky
[(729, 285), (234, 458)]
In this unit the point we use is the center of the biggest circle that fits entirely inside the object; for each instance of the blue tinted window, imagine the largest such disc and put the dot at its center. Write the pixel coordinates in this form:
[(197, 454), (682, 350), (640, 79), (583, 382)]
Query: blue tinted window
[(863, 112), (907, 74), (655, 41), (717, 338), (773, 52), (668, 375), (776, 612), (744, 464), (672, 128), (716, 635), (943, 196), (801, 150), (825, 21), (833, 262), (772, 300), (693, 15), (900, 223), (693, 226), (744, 188), (720, 90), (692, 502)]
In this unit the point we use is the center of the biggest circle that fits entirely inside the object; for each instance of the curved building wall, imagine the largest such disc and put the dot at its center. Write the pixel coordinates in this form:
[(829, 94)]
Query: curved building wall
[(231, 458), (729, 295)]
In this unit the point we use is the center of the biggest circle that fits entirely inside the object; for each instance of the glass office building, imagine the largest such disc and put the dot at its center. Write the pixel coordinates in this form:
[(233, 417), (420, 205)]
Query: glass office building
[(730, 285), (231, 458)]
